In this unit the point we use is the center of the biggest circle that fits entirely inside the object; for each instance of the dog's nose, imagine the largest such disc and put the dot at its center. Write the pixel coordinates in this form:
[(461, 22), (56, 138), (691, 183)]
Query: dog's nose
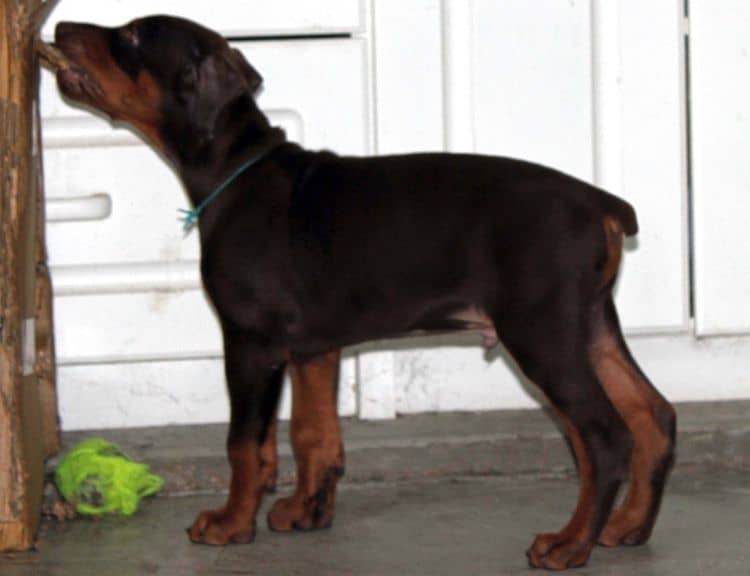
[(67, 31), (64, 30)]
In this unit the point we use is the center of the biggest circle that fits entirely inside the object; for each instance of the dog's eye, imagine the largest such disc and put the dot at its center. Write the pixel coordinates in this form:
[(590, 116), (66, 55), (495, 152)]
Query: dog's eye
[(125, 49), (185, 83)]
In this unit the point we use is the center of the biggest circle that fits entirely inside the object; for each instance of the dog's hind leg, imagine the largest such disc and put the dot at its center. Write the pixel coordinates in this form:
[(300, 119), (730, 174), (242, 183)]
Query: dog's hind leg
[(318, 449), (649, 417), (651, 420), (254, 379), (549, 343), (601, 444)]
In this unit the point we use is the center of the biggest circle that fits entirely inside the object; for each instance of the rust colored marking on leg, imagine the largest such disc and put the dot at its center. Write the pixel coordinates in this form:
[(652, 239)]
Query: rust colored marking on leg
[(645, 412), (235, 521), (269, 458), (318, 450), (571, 546)]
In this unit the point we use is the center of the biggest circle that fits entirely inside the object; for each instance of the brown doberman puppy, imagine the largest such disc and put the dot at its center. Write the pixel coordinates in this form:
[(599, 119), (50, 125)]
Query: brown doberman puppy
[(305, 252)]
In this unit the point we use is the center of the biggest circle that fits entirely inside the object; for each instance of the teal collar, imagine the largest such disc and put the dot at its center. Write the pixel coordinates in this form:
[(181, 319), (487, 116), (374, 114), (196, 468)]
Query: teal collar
[(189, 218)]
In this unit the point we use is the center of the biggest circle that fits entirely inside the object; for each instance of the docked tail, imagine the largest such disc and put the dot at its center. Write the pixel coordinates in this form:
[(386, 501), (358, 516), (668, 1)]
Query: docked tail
[(619, 220), (623, 212)]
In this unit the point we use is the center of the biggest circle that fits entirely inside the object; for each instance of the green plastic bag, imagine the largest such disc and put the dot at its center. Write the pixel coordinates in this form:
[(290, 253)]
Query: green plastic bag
[(98, 478)]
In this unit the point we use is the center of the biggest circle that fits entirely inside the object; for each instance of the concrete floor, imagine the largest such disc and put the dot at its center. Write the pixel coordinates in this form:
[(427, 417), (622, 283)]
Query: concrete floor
[(464, 525)]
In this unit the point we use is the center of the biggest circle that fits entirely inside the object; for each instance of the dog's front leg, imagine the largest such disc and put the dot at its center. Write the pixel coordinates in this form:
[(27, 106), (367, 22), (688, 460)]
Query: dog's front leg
[(254, 378), (318, 449)]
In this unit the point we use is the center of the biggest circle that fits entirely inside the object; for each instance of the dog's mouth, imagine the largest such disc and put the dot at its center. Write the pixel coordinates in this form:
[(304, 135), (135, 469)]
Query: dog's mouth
[(73, 79), (70, 56), (76, 83)]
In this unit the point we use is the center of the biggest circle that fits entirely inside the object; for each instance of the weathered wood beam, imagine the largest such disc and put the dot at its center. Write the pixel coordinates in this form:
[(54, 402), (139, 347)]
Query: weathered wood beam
[(28, 411)]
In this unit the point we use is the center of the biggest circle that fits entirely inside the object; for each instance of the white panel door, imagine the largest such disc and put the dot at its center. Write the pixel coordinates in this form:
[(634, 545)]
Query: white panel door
[(233, 18), (720, 119), (593, 88), (531, 81), (128, 296), (640, 150), (541, 92), (518, 82), (138, 246)]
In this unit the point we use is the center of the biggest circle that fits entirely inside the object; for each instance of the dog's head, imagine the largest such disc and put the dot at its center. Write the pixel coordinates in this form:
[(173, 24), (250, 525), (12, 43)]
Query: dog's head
[(169, 78)]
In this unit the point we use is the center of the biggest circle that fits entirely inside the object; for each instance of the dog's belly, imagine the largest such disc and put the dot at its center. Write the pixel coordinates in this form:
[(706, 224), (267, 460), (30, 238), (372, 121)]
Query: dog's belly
[(476, 320), (330, 332), (469, 319)]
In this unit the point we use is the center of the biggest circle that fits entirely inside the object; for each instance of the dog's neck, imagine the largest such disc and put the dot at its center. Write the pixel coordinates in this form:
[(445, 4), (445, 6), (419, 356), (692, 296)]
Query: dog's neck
[(239, 136)]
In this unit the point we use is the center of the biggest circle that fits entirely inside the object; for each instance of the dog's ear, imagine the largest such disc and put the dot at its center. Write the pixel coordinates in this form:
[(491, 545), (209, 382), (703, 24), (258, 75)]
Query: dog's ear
[(215, 83)]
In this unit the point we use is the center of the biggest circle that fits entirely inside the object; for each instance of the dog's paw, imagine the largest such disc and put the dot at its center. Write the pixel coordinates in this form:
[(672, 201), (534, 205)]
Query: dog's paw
[(220, 527), (299, 513), (558, 552), (624, 529)]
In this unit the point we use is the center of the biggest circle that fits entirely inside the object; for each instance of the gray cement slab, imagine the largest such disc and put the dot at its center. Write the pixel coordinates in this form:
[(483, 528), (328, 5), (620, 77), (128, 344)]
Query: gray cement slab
[(509, 442), (447, 526)]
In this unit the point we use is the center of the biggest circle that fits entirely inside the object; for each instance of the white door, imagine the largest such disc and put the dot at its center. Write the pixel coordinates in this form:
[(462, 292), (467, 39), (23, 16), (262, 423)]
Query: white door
[(599, 97), (720, 120), (594, 88), (137, 343), (233, 18)]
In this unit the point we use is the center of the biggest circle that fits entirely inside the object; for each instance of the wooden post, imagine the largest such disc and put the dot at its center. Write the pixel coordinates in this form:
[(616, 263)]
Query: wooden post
[(28, 411)]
